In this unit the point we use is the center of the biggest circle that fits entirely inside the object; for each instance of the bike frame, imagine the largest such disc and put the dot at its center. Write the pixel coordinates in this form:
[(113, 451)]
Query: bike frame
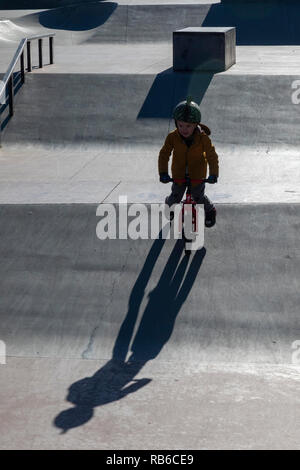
[(188, 204)]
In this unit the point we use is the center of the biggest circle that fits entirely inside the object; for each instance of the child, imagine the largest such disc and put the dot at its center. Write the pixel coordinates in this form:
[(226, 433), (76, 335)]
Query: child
[(192, 152)]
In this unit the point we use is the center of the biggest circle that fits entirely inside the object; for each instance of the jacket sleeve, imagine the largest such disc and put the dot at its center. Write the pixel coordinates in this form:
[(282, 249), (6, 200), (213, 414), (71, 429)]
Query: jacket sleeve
[(164, 155), (211, 157)]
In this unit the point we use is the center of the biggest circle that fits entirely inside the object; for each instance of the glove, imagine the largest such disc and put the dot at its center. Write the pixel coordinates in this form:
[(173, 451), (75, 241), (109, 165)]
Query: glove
[(212, 179), (164, 178)]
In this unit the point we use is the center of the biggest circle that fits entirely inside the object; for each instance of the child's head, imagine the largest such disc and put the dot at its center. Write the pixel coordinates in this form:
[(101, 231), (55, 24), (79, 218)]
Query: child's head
[(187, 116)]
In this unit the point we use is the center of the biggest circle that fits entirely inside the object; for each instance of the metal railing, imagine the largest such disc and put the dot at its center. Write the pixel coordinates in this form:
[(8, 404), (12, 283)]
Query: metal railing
[(7, 89)]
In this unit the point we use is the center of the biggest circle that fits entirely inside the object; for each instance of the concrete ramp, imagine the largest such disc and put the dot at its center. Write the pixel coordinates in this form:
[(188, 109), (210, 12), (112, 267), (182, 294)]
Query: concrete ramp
[(129, 344), (65, 293), (11, 32), (80, 108), (257, 23), (109, 21), (100, 332)]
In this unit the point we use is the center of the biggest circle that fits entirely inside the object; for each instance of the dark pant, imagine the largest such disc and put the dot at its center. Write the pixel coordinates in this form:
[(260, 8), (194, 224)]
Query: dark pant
[(197, 194)]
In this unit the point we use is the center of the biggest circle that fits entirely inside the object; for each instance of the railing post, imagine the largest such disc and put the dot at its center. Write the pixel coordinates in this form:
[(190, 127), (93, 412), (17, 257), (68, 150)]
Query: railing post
[(40, 53), (8, 80), (22, 68), (11, 94), (29, 65), (51, 52)]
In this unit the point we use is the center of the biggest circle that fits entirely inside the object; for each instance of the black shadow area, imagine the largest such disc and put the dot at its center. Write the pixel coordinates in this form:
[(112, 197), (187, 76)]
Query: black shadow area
[(266, 22), (115, 380), (78, 17), (169, 88)]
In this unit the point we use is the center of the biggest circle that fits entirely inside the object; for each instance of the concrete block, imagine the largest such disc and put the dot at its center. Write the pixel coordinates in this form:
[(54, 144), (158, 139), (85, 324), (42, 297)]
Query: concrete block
[(204, 49)]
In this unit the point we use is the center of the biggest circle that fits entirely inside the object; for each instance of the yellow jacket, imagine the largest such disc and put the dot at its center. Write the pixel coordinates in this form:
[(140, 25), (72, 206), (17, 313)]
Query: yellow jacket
[(195, 158)]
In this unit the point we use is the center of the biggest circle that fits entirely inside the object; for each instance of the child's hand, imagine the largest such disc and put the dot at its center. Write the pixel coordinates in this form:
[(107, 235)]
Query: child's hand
[(212, 179), (164, 178)]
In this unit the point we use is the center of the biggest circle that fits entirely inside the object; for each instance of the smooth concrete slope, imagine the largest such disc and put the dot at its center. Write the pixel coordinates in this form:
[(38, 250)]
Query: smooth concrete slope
[(113, 22), (65, 293), (65, 145), (120, 109), (83, 137), (131, 345), (258, 23)]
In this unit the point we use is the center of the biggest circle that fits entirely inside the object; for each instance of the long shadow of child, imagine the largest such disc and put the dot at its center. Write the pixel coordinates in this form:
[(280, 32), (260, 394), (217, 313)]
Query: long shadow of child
[(115, 380)]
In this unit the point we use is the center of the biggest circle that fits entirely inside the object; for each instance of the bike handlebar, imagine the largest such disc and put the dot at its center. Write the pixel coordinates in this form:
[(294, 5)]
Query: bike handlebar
[(187, 180)]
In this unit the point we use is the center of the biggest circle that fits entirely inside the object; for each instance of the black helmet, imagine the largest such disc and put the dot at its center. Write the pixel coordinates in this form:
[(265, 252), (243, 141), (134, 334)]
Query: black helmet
[(187, 111)]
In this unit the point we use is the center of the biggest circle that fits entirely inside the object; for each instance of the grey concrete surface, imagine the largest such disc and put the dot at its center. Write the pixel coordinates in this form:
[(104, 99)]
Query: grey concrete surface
[(84, 157), (63, 289), (130, 345), (121, 59), (112, 21), (91, 174), (79, 108), (100, 334), (177, 406)]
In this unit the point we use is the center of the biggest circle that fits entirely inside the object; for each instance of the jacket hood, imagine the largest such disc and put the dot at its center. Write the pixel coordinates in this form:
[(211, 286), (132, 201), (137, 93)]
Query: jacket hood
[(205, 129)]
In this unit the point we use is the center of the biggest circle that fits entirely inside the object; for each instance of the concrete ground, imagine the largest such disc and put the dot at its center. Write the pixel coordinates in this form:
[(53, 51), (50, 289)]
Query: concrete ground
[(123, 344)]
